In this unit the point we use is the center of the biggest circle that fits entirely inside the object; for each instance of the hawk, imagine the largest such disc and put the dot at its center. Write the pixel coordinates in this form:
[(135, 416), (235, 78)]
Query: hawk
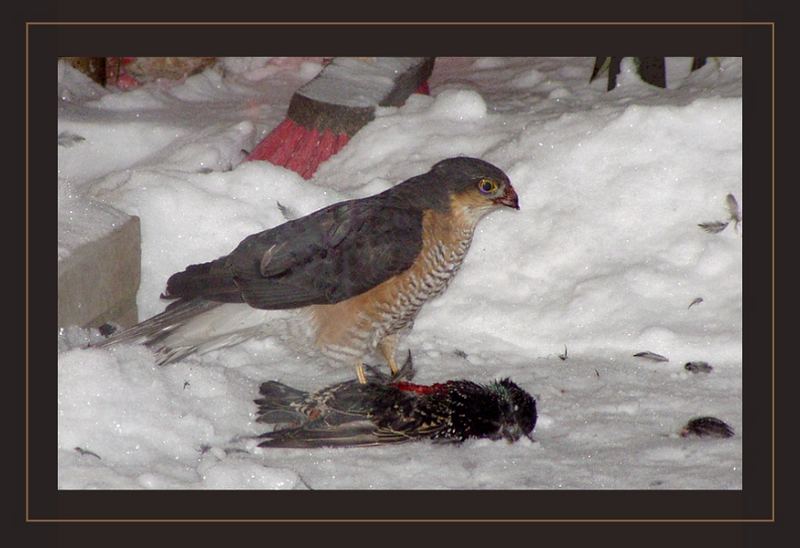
[(351, 275)]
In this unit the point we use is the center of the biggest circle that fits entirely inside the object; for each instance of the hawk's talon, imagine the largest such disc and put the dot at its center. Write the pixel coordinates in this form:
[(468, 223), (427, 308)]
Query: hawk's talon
[(388, 347), (393, 366), (362, 378)]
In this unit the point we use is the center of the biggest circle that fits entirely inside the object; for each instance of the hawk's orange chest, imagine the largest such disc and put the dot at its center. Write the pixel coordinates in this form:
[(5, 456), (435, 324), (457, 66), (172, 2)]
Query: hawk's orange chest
[(351, 328)]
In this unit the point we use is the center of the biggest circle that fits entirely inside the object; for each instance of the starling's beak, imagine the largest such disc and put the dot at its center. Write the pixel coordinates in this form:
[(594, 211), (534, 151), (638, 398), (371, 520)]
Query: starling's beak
[(509, 198), (511, 433)]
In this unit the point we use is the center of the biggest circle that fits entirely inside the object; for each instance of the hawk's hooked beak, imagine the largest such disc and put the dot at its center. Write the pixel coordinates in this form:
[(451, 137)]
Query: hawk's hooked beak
[(509, 198)]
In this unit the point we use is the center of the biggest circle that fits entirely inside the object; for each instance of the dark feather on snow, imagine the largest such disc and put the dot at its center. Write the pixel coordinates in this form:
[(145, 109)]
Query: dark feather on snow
[(83, 451), (698, 367), (67, 139), (651, 356), (711, 427), (698, 300), (287, 212), (733, 208), (713, 227)]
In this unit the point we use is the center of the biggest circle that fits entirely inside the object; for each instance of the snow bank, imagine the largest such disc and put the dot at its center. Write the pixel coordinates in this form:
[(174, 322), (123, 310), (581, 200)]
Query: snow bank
[(604, 258)]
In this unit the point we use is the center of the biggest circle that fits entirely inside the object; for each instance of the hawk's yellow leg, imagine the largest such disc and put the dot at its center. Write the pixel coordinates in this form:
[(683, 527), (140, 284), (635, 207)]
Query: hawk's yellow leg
[(388, 347)]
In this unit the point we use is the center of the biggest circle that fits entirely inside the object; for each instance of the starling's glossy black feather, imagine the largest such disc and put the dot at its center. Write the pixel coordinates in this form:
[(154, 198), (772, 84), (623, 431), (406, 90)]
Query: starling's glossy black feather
[(393, 410)]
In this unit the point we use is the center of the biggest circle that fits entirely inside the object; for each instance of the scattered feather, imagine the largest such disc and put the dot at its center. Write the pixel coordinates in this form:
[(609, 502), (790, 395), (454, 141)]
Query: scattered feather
[(713, 227), (287, 212), (234, 450), (733, 210), (460, 353), (651, 356), (698, 367), (564, 355), (67, 139), (108, 329), (83, 451), (710, 427), (698, 300), (596, 372)]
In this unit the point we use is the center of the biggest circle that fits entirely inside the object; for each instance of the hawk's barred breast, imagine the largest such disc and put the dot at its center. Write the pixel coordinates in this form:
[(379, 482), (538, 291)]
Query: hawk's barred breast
[(352, 328)]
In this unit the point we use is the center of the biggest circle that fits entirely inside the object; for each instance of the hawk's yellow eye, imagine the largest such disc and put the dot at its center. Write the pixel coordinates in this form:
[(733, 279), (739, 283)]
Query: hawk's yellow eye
[(487, 186)]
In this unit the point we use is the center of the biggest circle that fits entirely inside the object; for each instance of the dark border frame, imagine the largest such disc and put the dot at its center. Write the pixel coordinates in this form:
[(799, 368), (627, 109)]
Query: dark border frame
[(754, 41)]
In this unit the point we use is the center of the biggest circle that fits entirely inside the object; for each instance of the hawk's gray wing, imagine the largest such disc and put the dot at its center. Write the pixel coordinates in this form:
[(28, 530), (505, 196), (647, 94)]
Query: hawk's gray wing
[(323, 258)]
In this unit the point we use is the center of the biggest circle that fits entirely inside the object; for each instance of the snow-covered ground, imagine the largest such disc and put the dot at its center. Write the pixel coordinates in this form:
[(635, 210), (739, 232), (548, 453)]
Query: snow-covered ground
[(604, 258)]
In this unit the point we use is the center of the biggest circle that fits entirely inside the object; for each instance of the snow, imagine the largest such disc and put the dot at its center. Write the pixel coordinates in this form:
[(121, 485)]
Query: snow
[(361, 82), (602, 261), (82, 220), (458, 104)]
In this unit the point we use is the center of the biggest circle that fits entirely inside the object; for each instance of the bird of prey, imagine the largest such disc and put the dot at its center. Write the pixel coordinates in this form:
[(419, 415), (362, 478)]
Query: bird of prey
[(393, 410), (353, 274)]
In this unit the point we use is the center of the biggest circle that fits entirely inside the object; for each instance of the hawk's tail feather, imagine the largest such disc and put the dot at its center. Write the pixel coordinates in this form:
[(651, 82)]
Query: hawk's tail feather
[(209, 280), (168, 354), (155, 329)]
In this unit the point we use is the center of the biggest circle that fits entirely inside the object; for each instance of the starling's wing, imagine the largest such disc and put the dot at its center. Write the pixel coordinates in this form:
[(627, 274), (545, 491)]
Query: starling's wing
[(340, 403), (360, 433), (354, 433), (379, 397), (402, 414), (326, 257), (407, 430)]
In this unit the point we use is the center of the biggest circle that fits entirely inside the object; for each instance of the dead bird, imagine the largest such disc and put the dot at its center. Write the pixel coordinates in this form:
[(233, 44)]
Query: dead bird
[(391, 409)]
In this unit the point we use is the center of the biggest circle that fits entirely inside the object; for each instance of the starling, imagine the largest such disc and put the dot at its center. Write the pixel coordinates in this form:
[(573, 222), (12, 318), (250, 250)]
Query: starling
[(391, 409)]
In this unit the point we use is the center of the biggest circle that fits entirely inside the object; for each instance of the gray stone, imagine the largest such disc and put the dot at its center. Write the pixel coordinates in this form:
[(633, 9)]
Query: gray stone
[(99, 265)]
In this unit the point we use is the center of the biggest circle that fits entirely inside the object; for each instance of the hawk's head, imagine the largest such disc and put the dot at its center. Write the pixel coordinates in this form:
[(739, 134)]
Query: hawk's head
[(467, 187), (476, 187)]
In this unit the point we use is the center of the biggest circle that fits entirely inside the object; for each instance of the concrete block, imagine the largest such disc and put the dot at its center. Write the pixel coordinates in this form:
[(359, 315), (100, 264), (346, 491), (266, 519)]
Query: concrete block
[(99, 265)]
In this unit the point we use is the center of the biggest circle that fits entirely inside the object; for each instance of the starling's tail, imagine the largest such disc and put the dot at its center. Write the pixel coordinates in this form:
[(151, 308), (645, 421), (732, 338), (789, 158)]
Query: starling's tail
[(275, 407)]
